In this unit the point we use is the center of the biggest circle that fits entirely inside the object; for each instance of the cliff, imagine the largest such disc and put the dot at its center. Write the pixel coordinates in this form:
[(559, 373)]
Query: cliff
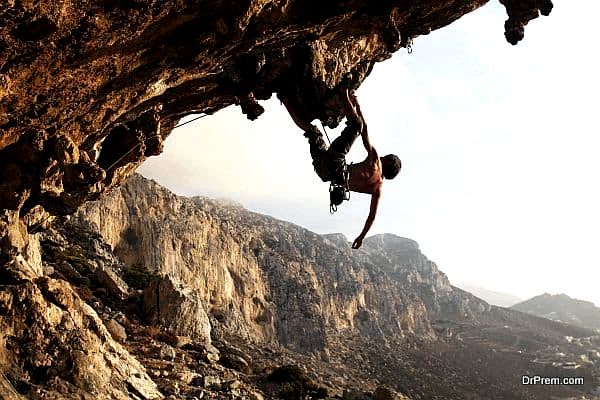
[(205, 298), (271, 281)]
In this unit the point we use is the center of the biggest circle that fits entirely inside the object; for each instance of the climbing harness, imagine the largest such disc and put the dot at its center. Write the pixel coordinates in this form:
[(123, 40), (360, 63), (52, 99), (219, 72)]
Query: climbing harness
[(339, 192)]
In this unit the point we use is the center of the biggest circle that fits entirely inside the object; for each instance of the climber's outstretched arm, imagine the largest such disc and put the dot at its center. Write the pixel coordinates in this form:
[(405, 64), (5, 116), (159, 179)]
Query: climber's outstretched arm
[(369, 222)]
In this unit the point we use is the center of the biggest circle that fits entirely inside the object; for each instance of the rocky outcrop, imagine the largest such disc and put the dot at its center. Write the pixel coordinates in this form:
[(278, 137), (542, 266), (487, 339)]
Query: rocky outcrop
[(55, 345), (520, 13), (178, 308)]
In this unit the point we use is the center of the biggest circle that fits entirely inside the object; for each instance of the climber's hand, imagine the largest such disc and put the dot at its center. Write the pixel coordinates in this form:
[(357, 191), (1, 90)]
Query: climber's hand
[(357, 242)]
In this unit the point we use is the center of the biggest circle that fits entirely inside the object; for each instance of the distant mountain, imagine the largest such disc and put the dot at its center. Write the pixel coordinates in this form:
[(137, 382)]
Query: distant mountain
[(490, 296), (563, 308)]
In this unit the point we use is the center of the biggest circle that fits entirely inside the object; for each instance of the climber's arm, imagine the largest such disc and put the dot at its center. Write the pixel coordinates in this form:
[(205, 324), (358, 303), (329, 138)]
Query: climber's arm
[(370, 219), (354, 113)]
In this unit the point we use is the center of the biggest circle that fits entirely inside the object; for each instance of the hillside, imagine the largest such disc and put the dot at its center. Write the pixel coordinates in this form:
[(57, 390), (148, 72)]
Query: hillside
[(561, 307), (210, 292)]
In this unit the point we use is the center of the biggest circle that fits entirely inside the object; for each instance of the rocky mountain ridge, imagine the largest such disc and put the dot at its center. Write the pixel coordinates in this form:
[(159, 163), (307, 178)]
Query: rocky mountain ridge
[(230, 255), (561, 307), (159, 295)]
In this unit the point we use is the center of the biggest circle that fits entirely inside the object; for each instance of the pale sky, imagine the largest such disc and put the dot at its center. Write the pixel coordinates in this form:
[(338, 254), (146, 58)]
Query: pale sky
[(499, 147)]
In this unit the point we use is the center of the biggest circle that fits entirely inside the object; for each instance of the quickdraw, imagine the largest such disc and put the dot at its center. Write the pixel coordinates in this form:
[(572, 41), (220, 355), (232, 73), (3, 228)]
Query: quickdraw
[(338, 193), (409, 46)]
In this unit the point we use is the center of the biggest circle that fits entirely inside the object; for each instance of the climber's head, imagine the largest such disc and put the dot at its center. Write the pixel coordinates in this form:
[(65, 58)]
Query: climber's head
[(391, 165)]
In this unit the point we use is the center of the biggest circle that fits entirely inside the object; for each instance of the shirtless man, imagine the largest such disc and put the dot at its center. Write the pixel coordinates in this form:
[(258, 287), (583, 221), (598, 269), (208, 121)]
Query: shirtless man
[(364, 177)]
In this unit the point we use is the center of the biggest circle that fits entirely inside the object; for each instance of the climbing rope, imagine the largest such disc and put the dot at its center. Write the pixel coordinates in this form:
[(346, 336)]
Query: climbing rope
[(191, 120), (151, 137), (324, 130), (39, 224), (126, 154)]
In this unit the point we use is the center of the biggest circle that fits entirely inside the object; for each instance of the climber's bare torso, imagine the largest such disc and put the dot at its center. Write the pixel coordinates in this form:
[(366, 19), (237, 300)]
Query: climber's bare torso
[(365, 176)]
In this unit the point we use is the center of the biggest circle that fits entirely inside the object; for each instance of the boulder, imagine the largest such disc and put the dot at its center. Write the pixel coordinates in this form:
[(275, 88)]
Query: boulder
[(387, 393), (212, 381), (116, 331), (178, 309), (211, 354), (236, 362), (167, 352), (107, 278), (255, 396)]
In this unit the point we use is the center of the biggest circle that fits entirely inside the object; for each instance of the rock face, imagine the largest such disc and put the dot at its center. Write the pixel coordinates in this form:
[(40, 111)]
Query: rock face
[(49, 334), (272, 281), (561, 307)]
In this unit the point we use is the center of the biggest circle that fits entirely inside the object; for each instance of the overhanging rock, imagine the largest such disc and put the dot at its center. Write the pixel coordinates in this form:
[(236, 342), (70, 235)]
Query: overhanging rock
[(89, 90)]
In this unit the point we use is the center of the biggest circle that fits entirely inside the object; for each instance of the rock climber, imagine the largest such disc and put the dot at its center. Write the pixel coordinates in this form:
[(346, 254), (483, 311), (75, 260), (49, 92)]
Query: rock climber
[(330, 162)]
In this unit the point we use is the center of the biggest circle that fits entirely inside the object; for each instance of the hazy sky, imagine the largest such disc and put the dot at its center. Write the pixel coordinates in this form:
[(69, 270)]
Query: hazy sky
[(499, 147)]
